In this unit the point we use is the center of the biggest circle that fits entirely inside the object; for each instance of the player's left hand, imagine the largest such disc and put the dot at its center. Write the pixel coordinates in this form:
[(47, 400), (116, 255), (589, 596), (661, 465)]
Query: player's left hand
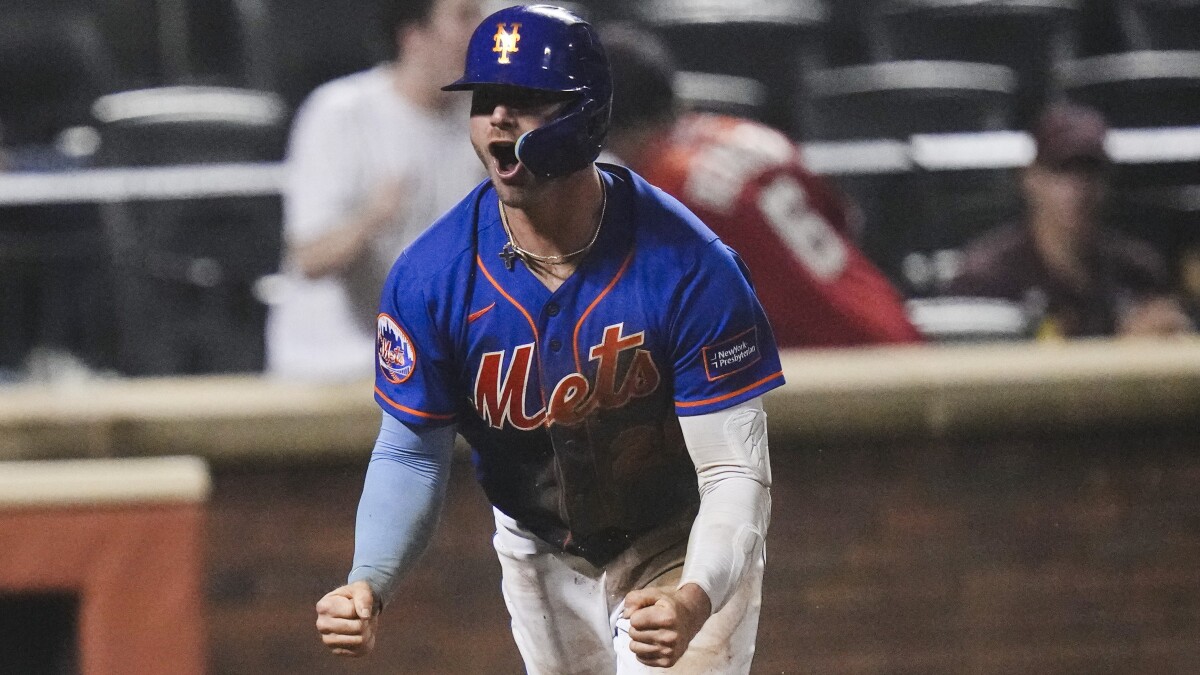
[(663, 621)]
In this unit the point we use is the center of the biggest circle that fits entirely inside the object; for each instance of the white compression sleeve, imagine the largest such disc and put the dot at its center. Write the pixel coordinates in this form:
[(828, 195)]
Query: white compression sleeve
[(729, 449), (402, 497)]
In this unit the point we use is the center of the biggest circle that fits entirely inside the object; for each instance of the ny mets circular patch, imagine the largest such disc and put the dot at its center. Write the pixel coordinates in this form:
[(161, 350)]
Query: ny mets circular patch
[(394, 350)]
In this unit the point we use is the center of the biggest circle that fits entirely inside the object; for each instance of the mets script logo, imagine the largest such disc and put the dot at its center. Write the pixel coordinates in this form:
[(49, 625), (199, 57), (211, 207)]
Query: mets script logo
[(501, 400), (506, 42), (394, 351)]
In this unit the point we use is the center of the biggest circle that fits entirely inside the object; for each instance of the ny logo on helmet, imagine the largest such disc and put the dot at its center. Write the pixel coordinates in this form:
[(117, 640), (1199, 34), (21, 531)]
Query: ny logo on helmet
[(506, 42)]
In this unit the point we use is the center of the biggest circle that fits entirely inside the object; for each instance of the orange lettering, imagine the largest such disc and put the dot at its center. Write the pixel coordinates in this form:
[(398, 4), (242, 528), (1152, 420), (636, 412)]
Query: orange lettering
[(569, 403), (500, 399), (497, 401), (607, 353)]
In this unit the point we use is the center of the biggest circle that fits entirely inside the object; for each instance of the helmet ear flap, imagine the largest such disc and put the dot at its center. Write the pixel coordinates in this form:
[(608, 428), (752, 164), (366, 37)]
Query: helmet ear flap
[(569, 143)]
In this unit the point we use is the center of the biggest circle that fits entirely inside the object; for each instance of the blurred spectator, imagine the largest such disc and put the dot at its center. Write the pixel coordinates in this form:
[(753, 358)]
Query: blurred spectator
[(1074, 275), (748, 183), (374, 157)]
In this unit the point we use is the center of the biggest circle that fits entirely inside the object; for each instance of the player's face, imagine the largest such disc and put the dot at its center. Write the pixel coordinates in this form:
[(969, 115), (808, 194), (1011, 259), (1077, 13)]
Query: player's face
[(499, 115)]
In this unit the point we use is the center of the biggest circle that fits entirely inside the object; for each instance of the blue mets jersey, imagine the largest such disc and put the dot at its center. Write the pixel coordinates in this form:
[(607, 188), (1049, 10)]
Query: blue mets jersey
[(570, 399)]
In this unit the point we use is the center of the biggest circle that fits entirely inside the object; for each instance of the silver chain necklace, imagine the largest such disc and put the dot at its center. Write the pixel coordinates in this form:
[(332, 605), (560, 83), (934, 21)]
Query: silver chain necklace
[(511, 250)]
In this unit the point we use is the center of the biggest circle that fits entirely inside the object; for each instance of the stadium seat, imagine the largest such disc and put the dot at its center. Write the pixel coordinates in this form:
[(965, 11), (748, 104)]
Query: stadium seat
[(293, 46), (920, 221), (896, 99), (55, 297), (1028, 36), (1166, 216), (772, 43), (1160, 24), (1153, 99), (917, 219), (968, 319), (53, 63), (53, 286), (723, 94), (186, 268), (1137, 89)]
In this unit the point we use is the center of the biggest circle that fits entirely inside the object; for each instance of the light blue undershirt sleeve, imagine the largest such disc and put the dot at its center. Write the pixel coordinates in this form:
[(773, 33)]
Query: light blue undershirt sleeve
[(401, 501)]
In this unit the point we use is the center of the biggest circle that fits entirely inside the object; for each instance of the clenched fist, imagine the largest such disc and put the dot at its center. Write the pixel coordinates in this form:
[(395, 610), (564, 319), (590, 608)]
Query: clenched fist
[(347, 619), (663, 621)]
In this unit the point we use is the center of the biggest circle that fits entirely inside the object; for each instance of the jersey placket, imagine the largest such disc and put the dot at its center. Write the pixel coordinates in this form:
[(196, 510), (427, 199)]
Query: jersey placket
[(573, 454)]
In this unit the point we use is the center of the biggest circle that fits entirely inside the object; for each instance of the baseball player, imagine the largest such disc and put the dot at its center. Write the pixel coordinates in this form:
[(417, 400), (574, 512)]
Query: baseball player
[(604, 354), (748, 182)]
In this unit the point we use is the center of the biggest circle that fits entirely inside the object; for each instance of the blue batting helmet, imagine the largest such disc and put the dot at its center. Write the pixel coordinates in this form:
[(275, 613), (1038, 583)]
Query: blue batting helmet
[(548, 49)]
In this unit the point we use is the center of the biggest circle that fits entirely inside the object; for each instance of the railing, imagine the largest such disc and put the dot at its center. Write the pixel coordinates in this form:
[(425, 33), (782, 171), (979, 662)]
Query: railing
[(933, 152)]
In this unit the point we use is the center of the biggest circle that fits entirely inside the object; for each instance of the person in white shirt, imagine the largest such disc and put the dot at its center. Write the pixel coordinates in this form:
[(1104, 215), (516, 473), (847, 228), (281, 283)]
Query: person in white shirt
[(372, 159)]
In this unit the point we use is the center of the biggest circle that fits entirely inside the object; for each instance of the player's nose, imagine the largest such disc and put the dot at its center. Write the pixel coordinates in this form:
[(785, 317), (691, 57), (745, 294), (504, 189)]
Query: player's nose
[(503, 115)]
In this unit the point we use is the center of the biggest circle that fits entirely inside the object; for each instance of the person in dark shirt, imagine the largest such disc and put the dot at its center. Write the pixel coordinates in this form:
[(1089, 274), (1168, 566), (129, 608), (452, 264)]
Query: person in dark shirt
[(1074, 275)]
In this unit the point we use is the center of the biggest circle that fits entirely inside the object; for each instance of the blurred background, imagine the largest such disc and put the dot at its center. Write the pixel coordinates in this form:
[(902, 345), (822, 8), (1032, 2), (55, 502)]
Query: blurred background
[(985, 503)]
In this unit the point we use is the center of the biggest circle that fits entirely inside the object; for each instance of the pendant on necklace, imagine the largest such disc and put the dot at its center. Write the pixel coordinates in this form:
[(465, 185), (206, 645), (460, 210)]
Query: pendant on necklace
[(508, 255)]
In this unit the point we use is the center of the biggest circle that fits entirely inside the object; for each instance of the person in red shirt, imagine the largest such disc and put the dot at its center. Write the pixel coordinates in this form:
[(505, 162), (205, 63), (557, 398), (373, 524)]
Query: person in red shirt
[(749, 184)]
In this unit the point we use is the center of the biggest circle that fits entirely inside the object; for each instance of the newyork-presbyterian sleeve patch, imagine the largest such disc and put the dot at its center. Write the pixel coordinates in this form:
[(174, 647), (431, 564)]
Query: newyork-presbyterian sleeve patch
[(730, 356), (395, 353)]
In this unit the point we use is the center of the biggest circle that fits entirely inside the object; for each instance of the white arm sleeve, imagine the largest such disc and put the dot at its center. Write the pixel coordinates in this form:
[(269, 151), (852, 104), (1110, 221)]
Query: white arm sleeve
[(729, 449)]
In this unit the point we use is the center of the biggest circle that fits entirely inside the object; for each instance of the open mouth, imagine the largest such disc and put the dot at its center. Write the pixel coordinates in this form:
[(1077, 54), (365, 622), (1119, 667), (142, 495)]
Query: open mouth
[(505, 155)]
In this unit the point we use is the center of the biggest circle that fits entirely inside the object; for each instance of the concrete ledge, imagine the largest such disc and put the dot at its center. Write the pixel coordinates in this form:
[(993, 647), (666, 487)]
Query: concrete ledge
[(874, 394), (226, 418), (987, 390), (94, 482)]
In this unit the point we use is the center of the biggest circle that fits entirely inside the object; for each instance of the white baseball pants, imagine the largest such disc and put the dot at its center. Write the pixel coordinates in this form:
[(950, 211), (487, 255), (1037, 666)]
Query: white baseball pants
[(566, 613)]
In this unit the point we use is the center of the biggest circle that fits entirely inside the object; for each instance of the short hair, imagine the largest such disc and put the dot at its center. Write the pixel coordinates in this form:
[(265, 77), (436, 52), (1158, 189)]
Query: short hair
[(643, 73), (396, 14)]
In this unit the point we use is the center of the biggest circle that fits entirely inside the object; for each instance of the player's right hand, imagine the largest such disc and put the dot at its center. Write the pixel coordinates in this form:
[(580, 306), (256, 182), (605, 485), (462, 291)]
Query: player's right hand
[(347, 619)]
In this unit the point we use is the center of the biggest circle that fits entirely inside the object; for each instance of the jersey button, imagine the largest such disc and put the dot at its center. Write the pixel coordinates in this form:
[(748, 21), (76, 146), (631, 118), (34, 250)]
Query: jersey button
[(552, 309), (555, 344)]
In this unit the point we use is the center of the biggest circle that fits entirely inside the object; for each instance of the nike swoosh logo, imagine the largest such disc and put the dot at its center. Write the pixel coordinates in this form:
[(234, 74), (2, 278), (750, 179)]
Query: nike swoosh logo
[(476, 315)]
